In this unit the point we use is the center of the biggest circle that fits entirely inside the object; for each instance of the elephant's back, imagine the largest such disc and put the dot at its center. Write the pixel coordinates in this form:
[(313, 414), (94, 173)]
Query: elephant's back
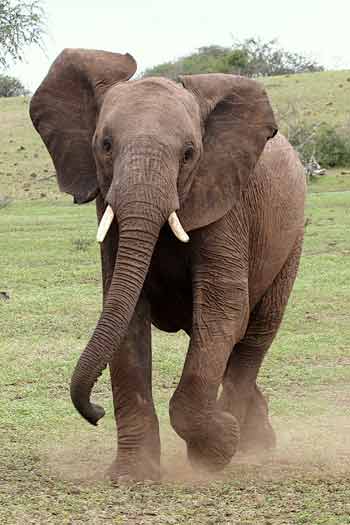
[(275, 199), (279, 185), (281, 164)]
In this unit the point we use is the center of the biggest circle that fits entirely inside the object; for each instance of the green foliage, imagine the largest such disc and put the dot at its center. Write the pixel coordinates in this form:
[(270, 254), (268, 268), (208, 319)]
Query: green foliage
[(205, 60), (330, 146), (238, 60), (268, 59), (21, 24), (251, 57), (11, 87)]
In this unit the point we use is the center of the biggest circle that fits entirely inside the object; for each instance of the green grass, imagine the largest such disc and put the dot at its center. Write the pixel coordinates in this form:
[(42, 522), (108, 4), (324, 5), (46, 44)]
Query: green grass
[(334, 180), (319, 97), (52, 463), (26, 170)]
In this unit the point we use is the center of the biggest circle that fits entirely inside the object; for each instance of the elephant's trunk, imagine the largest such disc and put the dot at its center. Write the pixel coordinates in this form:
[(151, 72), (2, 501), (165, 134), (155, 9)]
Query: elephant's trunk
[(141, 212)]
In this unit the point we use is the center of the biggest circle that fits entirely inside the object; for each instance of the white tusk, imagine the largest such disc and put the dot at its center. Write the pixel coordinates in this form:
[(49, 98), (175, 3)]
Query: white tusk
[(177, 228), (105, 224)]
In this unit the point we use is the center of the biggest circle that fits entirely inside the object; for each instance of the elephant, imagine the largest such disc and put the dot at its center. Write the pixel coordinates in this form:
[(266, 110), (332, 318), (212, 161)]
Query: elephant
[(200, 205)]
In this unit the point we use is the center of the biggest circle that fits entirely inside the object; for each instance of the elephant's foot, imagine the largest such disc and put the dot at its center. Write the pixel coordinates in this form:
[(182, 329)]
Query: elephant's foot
[(212, 440), (257, 434), (251, 410), (213, 450), (142, 468), (137, 464), (257, 437), (138, 457)]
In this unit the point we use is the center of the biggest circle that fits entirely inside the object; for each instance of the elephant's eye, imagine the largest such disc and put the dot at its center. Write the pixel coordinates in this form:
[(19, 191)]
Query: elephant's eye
[(188, 154), (107, 145)]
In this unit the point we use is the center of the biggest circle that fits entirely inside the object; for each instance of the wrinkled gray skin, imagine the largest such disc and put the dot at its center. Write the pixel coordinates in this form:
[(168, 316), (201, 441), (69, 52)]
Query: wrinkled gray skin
[(208, 148)]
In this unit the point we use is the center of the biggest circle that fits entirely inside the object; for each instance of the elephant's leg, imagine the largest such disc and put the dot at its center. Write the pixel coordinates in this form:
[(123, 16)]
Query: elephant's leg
[(220, 316), (257, 433), (241, 396), (211, 434), (138, 454)]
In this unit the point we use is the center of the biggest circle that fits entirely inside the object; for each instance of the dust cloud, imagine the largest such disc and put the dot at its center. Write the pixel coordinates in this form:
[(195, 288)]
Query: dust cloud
[(315, 447)]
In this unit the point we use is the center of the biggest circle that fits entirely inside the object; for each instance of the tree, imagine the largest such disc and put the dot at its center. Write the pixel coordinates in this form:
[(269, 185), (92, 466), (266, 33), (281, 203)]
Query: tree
[(268, 59), (21, 24), (11, 87), (238, 60), (250, 57)]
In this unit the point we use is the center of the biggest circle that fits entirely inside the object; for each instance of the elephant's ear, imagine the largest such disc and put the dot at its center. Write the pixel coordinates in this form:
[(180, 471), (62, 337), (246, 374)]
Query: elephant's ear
[(237, 121), (64, 112)]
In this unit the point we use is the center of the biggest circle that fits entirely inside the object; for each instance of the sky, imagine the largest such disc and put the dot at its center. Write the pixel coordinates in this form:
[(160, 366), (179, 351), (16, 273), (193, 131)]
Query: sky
[(155, 31)]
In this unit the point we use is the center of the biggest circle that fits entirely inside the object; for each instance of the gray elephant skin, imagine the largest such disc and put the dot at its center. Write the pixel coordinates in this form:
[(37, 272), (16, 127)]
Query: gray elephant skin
[(207, 148)]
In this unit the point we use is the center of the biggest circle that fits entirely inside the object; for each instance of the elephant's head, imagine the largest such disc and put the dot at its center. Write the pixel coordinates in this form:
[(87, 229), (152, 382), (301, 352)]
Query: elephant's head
[(151, 147)]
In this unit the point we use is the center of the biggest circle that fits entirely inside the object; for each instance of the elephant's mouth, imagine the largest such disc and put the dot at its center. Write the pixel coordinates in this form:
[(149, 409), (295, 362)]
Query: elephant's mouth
[(173, 220)]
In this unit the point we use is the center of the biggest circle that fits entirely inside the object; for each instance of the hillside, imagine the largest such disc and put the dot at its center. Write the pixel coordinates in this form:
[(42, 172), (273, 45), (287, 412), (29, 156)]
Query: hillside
[(319, 97), (26, 170)]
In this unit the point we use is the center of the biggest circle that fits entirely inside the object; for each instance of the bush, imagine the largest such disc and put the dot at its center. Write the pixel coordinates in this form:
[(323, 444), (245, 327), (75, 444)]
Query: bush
[(330, 147), (11, 87)]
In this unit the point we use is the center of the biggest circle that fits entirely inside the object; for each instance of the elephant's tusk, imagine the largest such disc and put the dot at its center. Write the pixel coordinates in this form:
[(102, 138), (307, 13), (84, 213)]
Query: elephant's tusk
[(105, 224), (177, 228)]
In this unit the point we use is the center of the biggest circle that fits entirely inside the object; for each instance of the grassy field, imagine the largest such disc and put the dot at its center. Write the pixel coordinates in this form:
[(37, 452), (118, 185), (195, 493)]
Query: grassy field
[(48, 472), (52, 464)]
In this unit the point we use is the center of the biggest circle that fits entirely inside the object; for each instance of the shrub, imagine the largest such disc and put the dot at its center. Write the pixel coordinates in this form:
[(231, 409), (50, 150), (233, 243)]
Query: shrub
[(11, 87), (330, 146)]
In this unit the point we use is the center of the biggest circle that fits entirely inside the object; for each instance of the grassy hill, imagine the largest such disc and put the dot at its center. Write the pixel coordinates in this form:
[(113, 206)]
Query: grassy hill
[(319, 97), (26, 170)]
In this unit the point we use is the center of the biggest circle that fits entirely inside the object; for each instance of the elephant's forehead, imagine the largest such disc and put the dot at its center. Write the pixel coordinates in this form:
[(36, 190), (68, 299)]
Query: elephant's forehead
[(146, 87), (155, 93)]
